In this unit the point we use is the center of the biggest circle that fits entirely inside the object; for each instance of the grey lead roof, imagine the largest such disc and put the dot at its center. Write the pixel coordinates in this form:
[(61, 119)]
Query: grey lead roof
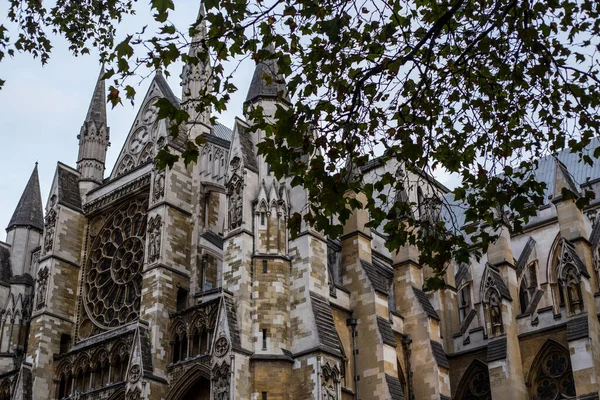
[(222, 132), (376, 277), (498, 282), (68, 188), (578, 328), (439, 354), (259, 88), (328, 337), (395, 387), (578, 173), (236, 343), (247, 148), (496, 349), (29, 210), (385, 329), (425, 304)]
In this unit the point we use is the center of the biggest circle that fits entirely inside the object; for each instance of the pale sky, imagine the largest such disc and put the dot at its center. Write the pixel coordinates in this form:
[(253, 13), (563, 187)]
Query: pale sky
[(42, 109)]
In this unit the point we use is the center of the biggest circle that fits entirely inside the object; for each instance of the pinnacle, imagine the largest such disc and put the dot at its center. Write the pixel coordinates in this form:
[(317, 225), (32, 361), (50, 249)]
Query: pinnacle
[(29, 210), (97, 110)]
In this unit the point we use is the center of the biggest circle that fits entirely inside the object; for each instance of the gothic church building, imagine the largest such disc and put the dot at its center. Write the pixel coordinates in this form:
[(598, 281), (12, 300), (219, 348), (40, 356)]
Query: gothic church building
[(184, 283)]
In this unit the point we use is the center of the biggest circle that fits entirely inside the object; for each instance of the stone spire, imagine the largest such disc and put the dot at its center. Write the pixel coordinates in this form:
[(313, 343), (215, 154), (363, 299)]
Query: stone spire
[(195, 75), (260, 89), (94, 139), (29, 210)]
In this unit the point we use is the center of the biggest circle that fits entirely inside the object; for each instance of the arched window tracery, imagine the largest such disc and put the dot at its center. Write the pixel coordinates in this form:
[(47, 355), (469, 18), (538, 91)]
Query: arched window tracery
[(5, 390), (464, 301), (475, 383), (179, 343), (330, 381), (551, 376), (64, 381), (113, 280)]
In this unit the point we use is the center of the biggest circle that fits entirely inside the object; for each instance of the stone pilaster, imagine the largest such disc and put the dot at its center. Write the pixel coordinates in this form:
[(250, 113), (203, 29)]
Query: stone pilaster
[(506, 373)]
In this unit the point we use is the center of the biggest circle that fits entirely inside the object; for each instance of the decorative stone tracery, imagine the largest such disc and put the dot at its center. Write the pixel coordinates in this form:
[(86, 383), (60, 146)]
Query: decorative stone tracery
[(112, 280), (551, 374), (475, 383), (154, 238), (158, 191), (221, 382), (234, 194), (42, 287), (330, 382)]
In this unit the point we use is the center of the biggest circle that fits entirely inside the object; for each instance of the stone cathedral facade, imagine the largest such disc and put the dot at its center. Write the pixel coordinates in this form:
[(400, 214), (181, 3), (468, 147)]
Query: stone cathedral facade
[(185, 284)]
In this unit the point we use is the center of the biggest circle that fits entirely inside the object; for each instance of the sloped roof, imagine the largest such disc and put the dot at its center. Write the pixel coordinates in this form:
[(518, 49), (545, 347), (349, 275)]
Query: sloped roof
[(385, 329), (578, 328), (498, 282), (259, 88), (236, 343), (328, 337), (222, 132), (29, 210), (496, 349), (247, 148), (578, 174), (425, 304), (395, 387), (439, 354), (68, 188), (5, 268), (378, 280)]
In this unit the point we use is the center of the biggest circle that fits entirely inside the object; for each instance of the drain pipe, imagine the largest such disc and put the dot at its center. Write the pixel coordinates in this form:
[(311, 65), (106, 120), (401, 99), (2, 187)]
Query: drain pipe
[(352, 322)]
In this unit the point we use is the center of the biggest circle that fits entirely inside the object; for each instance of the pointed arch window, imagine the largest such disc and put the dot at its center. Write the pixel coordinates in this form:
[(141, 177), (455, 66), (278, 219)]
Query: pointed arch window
[(551, 375), (475, 383), (464, 302)]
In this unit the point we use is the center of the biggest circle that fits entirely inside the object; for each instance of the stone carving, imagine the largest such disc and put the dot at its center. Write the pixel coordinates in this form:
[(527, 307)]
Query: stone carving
[(48, 240), (112, 282), (235, 203), (495, 306), (134, 394), (138, 140), (135, 372), (235, 163), (126, 165), (221, 346), (330, 380), (221, 377), (159, 186), (50, 223), (154, 236), (42, 285)]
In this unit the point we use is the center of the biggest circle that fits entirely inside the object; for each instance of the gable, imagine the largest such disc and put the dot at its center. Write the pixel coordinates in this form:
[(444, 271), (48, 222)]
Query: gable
[(147, 134)]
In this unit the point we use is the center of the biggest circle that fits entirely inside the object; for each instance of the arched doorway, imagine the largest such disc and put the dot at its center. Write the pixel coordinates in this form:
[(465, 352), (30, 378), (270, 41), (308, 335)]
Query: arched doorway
[(200, 390), (475, 383), (550, 376), (193, 385)]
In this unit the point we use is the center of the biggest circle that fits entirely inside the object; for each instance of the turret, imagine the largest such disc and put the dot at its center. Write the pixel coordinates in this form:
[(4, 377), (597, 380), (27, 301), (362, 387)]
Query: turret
[(24, 231), (93, 140), (195, 78)]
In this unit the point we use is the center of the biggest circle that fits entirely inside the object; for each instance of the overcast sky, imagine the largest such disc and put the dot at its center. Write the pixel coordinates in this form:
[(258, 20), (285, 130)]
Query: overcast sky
[(42, 109)]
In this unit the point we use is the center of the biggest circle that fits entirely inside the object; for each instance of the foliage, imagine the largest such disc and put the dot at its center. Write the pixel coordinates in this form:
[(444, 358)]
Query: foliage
[(478, 88)]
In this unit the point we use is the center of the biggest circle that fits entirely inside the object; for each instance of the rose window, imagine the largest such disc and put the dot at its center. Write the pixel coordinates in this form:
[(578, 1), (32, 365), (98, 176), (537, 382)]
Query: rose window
[(113, 275)]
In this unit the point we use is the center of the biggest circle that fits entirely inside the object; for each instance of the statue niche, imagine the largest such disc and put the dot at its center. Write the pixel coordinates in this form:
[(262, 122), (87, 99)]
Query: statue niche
[(235, 198)]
